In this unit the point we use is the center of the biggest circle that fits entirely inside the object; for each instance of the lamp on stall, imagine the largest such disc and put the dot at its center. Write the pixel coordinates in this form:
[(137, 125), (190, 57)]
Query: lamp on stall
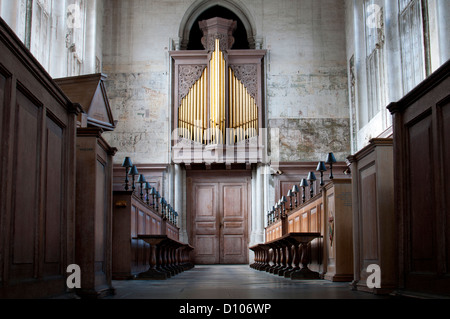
[(272, 215), (163, 207), (283, 205), (295, 190), (331, 160), (311, 179), (321, 168), (276, 212), (290, 194), (169, 213), (157, 197), (153, 194), (303, 185), (175, 218), (133, 172), (127, 164), (148, 189), (141, 180)]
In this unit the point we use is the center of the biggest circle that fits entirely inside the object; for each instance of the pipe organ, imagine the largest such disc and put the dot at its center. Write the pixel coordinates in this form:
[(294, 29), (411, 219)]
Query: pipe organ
[(218, 108), (217, 92)]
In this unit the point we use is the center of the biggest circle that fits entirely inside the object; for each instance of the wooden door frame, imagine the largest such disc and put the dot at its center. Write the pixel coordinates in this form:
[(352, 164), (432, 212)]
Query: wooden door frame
[(219, 177)]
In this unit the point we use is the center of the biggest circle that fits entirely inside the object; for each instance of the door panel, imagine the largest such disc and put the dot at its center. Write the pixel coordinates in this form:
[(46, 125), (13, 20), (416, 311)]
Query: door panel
[(233, 226), (205, 223), (218, 212)]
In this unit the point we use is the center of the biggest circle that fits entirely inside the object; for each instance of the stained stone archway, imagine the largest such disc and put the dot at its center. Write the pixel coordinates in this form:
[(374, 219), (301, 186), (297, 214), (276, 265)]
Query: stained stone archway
[(200, 6)]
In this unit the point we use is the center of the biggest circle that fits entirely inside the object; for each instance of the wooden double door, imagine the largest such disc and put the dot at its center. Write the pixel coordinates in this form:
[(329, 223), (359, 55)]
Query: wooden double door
[(217, 211)]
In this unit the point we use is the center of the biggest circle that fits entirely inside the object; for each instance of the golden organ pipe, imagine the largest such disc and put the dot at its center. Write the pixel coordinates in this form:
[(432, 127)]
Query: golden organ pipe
[(198, 110)]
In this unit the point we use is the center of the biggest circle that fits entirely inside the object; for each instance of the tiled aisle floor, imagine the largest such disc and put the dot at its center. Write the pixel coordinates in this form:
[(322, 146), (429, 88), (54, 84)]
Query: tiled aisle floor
[(233, 282)]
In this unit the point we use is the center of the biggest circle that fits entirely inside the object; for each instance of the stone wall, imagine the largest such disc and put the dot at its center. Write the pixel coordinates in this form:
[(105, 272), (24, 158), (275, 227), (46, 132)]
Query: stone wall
[(306, 77)]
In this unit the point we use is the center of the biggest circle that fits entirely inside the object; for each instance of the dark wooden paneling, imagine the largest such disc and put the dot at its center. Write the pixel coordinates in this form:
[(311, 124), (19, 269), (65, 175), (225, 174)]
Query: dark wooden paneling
[(37, 130), (421, 201), (374, 221), (445, 137), (369, 216), (26, 193), (55, 196), (422, 185)]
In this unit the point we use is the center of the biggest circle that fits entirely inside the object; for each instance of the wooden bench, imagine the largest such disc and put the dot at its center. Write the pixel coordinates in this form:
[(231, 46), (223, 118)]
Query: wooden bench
[(287, 256), (140, 235), (317, 232), (168, 257)]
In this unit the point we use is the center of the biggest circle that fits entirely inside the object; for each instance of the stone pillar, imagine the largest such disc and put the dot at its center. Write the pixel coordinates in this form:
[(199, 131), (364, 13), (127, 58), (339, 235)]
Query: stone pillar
[(58, 63), (258, 207), (91, 37), (179, 193), (443, 10)]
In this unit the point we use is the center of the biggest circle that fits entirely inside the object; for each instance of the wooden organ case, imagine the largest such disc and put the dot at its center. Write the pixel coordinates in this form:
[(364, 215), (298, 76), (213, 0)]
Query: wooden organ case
[(218, 98), (218, 116)]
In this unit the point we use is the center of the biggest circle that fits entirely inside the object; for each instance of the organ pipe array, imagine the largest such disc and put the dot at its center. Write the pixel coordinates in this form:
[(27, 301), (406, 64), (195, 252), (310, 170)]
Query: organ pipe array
[(226, 104), (192, 114)]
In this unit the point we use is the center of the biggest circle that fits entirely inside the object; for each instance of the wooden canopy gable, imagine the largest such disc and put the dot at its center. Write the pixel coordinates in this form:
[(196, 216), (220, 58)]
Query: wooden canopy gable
[(89, 91)]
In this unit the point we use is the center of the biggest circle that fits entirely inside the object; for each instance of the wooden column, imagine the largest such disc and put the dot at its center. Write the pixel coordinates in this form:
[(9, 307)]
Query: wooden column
[(338, 230), (93, 248), (374, 221)]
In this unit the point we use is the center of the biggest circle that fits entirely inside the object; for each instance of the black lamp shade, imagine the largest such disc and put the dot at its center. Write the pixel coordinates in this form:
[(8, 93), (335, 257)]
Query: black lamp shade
[(283, 199), (127, 162), (295, 189), (290, 193), (147, 186), (133, 171), (331, 159), (141, 179), (321, 167), (312, 177), (304, 183)]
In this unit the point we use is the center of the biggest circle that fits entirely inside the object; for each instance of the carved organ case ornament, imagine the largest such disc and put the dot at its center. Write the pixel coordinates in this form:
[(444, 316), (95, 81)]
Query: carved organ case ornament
[(218, 91)]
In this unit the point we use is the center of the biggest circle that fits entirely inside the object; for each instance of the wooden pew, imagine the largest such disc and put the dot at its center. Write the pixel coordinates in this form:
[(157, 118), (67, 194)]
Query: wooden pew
[(165, 257), (329, 254), (144, 241), (287, 256)]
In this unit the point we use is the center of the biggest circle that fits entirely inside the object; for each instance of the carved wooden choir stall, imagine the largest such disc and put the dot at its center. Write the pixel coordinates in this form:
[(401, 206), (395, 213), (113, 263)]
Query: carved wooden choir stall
[(422, 186), (374, 221), (146, 237), (37, 177), (93, 245), (310, 239)]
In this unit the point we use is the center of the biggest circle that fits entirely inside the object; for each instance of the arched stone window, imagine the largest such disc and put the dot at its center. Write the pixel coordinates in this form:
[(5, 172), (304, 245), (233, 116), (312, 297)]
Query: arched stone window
[(240, 35)]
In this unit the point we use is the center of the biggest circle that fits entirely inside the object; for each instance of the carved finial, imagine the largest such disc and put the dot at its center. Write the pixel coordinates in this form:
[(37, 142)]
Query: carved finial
[(218, 28)]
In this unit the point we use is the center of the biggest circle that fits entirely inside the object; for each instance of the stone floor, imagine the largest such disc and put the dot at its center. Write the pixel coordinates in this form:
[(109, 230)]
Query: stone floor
[(234, 282)]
